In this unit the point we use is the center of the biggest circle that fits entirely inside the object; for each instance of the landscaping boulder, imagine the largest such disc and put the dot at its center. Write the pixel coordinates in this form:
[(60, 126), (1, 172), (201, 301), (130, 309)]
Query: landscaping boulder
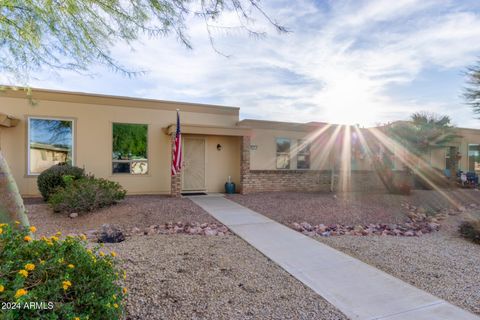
[(110, 234)]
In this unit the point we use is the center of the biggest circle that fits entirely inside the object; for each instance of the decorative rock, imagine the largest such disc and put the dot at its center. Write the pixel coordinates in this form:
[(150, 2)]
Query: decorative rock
[(110, 234), (210, 232), (306, 226), (358, 229), (321, 228), (73, 215), (136, 231), (150, 231), (91, 234), (195, 230), (297, 227), (223, 229), (177, 229), (433, 226)]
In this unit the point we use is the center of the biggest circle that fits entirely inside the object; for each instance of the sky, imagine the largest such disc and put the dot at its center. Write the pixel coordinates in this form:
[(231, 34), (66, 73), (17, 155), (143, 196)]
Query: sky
[(355, 62)]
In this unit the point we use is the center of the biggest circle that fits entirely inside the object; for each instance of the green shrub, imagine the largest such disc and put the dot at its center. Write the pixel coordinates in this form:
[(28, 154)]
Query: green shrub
[(85, 195), (72, 281), (52, 178), (470, 229)]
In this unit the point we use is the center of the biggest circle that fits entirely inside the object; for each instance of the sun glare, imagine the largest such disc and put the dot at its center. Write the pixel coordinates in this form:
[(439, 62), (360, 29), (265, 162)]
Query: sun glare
[(337, 153)]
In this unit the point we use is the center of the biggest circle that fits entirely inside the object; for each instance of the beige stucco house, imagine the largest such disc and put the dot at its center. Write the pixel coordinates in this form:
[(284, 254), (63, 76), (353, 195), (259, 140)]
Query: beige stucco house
[(129, 140)]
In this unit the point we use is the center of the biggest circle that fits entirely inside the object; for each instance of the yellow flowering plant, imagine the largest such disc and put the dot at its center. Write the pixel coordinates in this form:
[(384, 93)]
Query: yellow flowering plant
[(81, 282)]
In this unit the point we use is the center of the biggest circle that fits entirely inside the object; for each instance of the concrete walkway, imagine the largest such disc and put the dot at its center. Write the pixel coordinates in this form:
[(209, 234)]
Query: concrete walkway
[(357, 289)]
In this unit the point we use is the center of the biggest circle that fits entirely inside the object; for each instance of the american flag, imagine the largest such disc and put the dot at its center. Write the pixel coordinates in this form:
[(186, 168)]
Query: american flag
[(177, 149)]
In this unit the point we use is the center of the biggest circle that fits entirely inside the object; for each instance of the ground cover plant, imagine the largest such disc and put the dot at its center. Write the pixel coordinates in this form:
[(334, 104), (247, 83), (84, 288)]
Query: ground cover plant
[(65, 278), (470, 229)]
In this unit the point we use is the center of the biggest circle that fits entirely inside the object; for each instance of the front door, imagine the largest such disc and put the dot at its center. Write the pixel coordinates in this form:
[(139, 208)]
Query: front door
[(194, 164)]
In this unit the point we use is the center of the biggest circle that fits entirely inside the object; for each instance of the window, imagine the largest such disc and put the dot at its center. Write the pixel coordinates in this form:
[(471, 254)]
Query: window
[(130, 148), (283, 153), (303, 155), (50, 142), (473, 157)]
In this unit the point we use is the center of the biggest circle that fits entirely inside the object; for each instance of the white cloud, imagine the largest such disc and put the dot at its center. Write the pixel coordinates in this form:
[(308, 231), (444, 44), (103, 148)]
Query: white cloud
[(341, 63)]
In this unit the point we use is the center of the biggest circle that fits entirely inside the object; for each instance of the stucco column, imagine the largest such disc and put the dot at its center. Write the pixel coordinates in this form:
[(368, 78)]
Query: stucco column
[(244, 164), (176, 180)]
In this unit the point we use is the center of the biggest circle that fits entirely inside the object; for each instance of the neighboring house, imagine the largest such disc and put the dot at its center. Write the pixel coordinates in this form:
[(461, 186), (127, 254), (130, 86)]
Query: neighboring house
[(43, 156), (129, 140)]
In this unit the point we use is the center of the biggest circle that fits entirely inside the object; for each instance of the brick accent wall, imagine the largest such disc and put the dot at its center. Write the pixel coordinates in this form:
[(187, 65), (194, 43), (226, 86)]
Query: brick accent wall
[(310, 181), (286, 180), (176, 180), (244, 164)]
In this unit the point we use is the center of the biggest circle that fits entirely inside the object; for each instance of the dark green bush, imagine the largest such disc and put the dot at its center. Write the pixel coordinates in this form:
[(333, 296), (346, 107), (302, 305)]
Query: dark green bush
[(470, 229), (52, 178), (72, 281), (85, 195)]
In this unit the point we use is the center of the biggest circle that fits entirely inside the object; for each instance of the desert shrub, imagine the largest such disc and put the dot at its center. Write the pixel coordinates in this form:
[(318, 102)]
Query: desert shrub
[(86, 194), (71, 281), (402, 188), (52, 178), (470, 229)]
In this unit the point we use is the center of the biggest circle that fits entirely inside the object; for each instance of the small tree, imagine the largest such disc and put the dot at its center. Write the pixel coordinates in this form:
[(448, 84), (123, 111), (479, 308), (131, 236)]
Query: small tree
[(423, 133), (471, 93)]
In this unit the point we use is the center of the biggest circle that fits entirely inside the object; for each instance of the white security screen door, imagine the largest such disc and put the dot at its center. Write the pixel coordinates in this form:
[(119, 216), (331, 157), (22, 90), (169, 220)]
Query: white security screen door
[(194, 164)]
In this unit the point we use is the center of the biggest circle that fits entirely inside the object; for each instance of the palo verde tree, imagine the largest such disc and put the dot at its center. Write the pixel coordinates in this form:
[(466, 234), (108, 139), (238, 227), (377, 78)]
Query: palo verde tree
[(37, 35)]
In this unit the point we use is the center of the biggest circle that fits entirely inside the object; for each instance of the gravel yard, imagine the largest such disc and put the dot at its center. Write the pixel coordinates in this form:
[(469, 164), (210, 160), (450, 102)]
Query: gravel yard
[(440, 263), (197, 277), (202, 277), (134, 211), (349, 208)]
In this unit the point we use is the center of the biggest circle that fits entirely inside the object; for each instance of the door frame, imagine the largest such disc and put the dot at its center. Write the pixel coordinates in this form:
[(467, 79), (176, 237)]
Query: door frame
[(193, 137)]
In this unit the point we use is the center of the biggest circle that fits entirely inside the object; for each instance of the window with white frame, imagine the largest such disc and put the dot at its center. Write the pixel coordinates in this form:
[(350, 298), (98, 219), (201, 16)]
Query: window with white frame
[(303, 154), (50, 142), (283, 153), (130, 148)]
